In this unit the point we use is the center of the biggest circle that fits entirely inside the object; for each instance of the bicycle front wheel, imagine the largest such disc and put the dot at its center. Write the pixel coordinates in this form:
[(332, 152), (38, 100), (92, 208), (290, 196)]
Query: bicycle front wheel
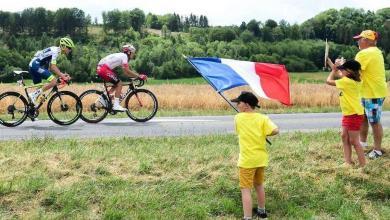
[(141, 105), (13, 109), (64, 108), (95, 106)]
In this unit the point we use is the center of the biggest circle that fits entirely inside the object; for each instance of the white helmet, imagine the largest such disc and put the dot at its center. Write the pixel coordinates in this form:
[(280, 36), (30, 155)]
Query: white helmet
[(128, 47)]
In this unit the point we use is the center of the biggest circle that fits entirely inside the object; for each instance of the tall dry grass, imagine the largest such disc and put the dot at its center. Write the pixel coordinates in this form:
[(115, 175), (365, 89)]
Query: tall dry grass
[(203, 97)]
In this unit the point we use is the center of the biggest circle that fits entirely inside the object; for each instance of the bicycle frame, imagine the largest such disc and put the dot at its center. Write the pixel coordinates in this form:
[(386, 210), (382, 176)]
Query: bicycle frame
[(131, 87), (40, 85)]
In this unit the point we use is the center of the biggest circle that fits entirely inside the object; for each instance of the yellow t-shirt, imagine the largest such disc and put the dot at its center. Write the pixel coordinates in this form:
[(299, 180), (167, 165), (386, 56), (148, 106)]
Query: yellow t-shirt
[(252, 129), (373, 73), (350, 96)]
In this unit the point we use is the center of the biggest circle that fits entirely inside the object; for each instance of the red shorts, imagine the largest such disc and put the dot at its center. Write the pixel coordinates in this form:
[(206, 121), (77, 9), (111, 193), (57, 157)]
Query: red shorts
[(107, 74), (352, 122)]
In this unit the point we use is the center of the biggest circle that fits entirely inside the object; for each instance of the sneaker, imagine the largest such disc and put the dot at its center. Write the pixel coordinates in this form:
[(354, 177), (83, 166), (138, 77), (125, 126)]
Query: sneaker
[(102, 101), (256, 213), (33, 96), (375, 154), (364, 146), (118, 108)]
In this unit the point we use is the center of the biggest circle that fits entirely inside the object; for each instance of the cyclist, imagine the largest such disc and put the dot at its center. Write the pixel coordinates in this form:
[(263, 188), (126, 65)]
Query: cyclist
[(105, 71), (47, 59)]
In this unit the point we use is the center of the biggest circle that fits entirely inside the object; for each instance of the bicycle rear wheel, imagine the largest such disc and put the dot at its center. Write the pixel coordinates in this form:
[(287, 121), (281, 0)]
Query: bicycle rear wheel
[(95, 106), (142, 105), (64, 108), (13, 109)]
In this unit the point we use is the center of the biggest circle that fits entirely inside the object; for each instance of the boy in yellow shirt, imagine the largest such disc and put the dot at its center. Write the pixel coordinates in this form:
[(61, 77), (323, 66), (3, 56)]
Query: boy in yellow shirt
[(252, 129)]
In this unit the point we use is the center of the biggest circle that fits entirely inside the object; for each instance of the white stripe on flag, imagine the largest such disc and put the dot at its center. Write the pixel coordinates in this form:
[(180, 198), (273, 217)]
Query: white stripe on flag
[(247, 71)]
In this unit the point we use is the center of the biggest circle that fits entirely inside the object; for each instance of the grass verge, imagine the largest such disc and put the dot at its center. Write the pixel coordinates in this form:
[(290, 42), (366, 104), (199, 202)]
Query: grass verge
[(185, 178)]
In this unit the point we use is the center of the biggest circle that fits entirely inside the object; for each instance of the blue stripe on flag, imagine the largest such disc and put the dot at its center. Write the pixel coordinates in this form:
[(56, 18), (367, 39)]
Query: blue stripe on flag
[(219, 75)]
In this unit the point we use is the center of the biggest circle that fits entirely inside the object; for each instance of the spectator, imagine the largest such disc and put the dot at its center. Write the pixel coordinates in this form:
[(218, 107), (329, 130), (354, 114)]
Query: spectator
[(374, 88)]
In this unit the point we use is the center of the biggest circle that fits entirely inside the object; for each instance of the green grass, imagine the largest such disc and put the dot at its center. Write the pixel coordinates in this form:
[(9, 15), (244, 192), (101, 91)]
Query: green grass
[(184, 178)]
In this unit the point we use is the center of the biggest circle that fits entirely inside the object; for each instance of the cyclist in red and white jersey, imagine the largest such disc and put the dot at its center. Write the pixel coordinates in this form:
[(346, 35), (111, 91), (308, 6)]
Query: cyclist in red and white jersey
[(105, 71)]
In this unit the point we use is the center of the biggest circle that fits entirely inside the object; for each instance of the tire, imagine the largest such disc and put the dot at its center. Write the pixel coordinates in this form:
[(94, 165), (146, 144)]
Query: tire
[(144, 112), (12, 103), (64, 108), (93, 110)]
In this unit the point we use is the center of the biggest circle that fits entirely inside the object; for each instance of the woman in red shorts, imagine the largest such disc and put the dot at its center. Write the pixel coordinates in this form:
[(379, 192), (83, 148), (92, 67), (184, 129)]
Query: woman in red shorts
[(349, 83)]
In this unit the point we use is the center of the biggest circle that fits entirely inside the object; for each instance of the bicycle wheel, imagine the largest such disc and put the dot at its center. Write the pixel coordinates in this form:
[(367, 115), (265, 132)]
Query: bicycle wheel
[(142, 105), (13, 109), (94, 106), (64, 108)]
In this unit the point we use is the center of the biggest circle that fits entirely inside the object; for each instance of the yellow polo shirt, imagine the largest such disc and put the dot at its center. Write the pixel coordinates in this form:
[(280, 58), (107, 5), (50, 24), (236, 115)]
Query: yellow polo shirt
[(252, 129), (372, 73)]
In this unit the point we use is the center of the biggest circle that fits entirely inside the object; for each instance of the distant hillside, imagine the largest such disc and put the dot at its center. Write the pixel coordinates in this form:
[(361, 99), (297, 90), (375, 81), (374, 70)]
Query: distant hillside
[(161, 39)]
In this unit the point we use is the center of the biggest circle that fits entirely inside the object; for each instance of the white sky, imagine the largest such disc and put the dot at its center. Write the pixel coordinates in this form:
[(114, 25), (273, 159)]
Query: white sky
[(219, 12)]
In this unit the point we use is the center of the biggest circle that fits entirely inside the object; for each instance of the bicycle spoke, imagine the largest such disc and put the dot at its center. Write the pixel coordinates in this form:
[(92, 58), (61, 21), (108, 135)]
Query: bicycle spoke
[(63, 108), (94, 106), (142, 105), (12, 109)]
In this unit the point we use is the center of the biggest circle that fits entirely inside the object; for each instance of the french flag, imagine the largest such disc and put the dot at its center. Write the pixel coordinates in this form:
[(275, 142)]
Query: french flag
[(267, 80)]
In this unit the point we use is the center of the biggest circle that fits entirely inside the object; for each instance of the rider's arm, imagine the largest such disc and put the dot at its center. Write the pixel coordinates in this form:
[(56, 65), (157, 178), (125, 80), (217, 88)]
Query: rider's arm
[(56, 70), (129, 72)]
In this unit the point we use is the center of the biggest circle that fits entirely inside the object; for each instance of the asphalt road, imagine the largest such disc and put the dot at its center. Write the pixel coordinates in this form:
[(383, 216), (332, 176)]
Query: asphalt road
[(169, 126)]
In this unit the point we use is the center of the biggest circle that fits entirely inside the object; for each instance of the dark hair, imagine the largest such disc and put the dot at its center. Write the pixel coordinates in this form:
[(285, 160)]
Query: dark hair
[(247, 97), (352, 67)]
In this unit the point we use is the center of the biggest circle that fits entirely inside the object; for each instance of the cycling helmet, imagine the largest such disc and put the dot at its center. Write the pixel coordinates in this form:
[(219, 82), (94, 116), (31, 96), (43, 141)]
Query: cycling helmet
[(128, 47), (66, 42)]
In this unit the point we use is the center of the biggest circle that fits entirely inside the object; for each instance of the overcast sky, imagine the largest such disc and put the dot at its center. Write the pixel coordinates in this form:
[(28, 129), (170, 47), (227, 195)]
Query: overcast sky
[(219, 12)]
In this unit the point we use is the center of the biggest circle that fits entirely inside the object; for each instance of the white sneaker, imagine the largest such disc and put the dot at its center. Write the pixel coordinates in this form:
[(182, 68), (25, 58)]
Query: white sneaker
[(375, 154), (33, 96), (102, 101), (118, 107)]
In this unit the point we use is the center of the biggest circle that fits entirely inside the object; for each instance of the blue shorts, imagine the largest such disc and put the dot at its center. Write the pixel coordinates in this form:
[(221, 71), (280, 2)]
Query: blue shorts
[(373, 109), (37, 72)]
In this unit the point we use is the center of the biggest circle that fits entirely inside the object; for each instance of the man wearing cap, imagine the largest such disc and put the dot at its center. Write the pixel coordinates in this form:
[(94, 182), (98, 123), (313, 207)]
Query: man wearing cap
[(374, 88)]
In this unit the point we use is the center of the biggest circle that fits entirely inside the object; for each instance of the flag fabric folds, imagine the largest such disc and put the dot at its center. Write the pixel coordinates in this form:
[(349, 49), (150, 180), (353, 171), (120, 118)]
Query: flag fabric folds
[(267, 80)]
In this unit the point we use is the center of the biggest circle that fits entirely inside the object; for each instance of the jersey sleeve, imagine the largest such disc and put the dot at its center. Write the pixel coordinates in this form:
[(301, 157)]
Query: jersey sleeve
[(55, 53), (268, 126), (125, 60)]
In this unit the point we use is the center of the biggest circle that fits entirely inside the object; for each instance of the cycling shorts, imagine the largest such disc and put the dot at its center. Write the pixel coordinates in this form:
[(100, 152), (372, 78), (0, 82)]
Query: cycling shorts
[(38, 72), (107, 74)]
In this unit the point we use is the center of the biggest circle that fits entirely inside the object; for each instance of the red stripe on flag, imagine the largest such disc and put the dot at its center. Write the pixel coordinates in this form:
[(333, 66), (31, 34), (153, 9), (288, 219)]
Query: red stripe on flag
[(274, 81)]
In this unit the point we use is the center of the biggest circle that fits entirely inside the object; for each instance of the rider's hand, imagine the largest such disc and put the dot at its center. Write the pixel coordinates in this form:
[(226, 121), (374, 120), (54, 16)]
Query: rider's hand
[(142, 77), (65, 77)]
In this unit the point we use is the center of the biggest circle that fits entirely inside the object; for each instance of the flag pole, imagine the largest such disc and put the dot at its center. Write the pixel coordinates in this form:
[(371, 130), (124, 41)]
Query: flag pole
[(220, 93)]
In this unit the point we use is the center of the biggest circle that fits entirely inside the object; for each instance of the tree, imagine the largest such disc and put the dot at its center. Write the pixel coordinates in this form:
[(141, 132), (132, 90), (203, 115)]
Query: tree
[(271, 23), (253, 26)]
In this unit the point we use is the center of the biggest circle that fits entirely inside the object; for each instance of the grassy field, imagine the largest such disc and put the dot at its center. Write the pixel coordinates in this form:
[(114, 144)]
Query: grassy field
[(185, 178)]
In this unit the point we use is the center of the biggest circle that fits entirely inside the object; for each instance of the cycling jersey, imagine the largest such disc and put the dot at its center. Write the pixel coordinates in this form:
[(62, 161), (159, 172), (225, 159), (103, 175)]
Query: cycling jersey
[(47, 56), (39, 65), (114, 60)]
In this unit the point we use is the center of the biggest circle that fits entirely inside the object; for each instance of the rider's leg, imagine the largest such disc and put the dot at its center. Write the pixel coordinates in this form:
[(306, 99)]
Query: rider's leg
[(118, 89), (50, 85), (37, 74), (118, 92)]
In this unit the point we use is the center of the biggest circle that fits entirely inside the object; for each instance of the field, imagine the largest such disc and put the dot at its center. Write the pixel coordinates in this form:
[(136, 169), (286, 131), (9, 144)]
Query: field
[(195, 97), (185, 178)]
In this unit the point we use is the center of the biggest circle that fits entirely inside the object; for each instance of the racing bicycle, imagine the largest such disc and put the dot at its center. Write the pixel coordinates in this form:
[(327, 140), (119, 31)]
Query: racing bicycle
[(141, 104), (63, 107)]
